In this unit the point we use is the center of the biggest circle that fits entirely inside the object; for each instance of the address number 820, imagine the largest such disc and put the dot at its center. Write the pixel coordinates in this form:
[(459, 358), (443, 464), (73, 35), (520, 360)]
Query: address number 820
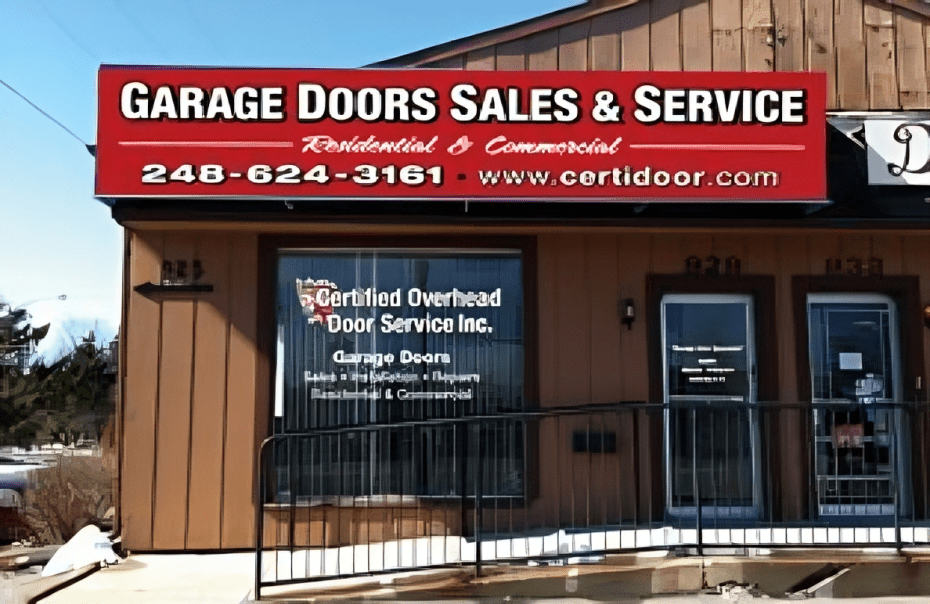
[(364, 175)]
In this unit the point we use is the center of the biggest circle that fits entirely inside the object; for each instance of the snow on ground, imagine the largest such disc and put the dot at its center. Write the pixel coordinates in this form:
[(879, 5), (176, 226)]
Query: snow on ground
[(405, 554)]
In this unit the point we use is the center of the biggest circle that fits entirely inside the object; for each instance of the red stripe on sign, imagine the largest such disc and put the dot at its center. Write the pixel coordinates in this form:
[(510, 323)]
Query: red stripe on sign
[(216, 144), (712, 147)]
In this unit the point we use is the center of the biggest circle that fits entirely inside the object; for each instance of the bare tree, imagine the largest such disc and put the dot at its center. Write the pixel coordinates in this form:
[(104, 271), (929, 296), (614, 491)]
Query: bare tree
[(68, 497)]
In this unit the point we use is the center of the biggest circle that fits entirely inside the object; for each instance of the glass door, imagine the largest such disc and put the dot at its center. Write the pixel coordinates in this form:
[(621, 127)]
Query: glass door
[(711, 442), (860, 445)]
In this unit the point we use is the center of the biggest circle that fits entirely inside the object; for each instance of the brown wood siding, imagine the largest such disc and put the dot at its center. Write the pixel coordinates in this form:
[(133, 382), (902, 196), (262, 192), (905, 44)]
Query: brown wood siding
[(143, 342), (696, 34), (197, 385), (208, 409), (172, 429), (588, 351), (875, 55), (192, 409), (242, 404), (543, 51), (664, 35), (604, 47)]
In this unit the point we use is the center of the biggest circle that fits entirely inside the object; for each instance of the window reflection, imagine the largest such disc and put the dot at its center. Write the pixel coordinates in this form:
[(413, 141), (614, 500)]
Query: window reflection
[(711, 427), (859, 439), (385, 337)]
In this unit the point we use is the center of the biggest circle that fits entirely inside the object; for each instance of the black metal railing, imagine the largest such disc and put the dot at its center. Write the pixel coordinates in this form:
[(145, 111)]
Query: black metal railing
[(575, 483)]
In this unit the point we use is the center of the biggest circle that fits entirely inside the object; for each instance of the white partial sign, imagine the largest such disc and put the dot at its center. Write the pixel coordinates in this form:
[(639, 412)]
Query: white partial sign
[(898, 152)]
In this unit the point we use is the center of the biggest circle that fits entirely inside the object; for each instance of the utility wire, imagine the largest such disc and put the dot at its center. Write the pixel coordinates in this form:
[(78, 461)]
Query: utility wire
[(39, 109)]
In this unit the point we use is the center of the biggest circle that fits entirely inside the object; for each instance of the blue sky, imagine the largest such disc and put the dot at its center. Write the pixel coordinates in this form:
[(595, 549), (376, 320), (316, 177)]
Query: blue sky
[(55, 238)]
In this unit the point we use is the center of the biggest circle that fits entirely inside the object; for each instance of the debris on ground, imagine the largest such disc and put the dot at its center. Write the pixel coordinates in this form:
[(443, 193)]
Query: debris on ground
[(89, 546), (734, 592)]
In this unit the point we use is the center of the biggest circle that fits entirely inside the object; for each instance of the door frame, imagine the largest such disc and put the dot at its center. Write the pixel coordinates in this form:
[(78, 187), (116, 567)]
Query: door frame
[(763, 292), (748, 404), (905, 291)]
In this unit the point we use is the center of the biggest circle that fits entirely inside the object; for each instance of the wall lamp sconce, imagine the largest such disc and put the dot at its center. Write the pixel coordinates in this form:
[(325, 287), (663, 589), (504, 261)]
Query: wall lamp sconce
[(628, 313), (927, 315)]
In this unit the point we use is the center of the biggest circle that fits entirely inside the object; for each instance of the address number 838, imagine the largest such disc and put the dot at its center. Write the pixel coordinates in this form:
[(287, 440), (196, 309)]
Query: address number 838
[(364, 175)]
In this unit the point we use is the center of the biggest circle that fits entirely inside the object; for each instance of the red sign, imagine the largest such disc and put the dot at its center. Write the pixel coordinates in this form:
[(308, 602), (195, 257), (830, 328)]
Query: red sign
[(427, 134)]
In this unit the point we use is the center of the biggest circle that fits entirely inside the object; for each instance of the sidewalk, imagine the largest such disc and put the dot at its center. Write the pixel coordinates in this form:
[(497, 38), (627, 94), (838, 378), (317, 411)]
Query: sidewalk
[(165, 578), (875, 578)]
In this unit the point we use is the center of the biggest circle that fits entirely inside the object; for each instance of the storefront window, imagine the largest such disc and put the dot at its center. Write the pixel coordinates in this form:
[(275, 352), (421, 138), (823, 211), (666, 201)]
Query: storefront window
[(385, 352)]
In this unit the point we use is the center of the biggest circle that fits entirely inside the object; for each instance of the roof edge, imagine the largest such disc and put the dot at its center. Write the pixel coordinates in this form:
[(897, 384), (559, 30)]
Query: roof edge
[(521, 29), (919, 7)]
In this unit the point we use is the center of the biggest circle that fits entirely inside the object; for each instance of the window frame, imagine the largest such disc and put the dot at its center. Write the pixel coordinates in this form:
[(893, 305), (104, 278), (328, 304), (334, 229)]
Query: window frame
[(271, 246), (903, 290)]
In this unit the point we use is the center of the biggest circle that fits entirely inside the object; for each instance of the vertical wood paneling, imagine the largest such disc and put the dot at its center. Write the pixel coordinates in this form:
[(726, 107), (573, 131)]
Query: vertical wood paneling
[(456, 62), (821, 52), (665, 35), (542, 51), (265, 344), (172, 447), (874, 56), (606, 384), (548, 338), (573, 354), (758, 36), (547, 307), (633, 342), (604, 45), (696, 36), (877, 14), (209, 401), (880, 56), (759, 256), (482, 59), (789, 35), (851, 90), (116, 444), (573, 46), (634, 261), (664, 258), (573, 321), (916, 261), (141, 391), (727, 23), (511, 56), (855, 246), (888, 248), (239, 445), (794, 258), (927, 49), (912, 60), (725, 245), (634, 39), (690, 244), (822, 246)]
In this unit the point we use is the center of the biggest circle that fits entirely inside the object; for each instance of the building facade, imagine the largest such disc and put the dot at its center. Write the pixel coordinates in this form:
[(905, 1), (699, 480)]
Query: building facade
[(713, 363)]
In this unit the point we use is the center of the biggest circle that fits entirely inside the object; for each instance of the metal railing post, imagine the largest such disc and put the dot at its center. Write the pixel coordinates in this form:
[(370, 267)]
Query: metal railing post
[(463, 478), (696, 483), (278, 485), (259, 515), (895, 485), (479, 511)]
